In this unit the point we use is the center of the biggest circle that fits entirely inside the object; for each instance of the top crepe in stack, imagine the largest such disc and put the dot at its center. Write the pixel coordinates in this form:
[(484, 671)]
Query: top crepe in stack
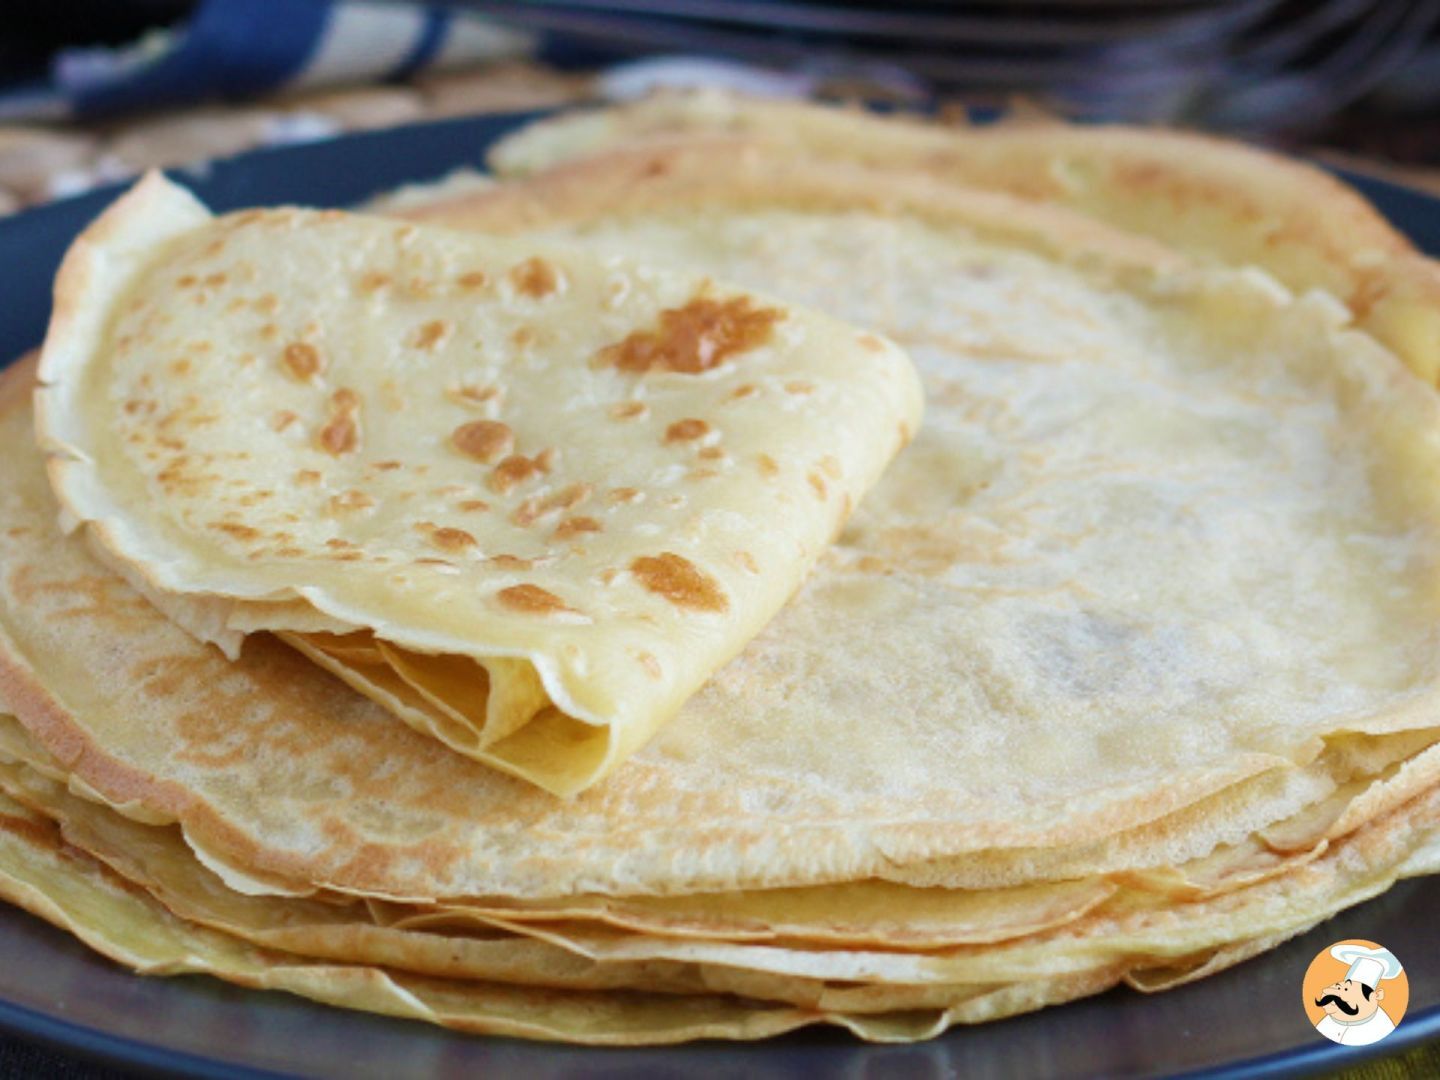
[(528, 500), (1125, 669)]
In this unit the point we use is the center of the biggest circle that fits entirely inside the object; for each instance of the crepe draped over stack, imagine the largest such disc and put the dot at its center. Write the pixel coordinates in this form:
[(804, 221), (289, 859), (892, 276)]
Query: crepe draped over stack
[(1125, 670)]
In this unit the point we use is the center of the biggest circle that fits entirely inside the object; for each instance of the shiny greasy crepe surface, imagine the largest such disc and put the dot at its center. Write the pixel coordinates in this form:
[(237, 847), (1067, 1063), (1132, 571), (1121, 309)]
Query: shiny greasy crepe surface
[(513, 477), (1159, 534)]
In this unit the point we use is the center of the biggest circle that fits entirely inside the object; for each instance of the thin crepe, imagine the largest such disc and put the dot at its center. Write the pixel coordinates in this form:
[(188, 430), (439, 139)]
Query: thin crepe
[(1212, 198), (527, 500), (39, 872), (849, 915), (156, 859), (1239, 484)]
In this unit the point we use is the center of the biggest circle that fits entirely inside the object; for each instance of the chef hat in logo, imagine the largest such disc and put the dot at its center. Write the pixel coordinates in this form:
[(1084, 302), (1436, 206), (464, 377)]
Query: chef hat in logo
[(1367, 966)]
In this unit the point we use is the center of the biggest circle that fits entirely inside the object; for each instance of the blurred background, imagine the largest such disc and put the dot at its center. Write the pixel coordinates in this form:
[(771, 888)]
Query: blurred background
[(94, 90)]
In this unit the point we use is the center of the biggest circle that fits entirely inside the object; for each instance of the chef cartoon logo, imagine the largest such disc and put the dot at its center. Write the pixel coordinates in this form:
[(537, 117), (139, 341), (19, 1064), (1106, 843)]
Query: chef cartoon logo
[(1355, 992)]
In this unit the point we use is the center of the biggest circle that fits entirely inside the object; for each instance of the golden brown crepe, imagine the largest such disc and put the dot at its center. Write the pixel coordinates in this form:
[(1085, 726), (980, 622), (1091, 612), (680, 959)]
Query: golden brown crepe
[(527, 500)]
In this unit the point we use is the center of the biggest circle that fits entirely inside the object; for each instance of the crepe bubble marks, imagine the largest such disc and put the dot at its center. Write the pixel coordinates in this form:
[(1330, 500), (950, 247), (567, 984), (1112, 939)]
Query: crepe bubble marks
[(1355, 992), (529, 500)]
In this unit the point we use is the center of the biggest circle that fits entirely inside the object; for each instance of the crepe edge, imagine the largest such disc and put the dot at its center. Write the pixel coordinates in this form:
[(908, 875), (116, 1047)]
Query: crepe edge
[(1262, 197)]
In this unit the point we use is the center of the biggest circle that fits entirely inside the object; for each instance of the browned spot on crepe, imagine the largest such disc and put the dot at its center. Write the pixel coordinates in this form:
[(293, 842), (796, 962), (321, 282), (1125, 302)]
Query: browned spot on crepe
[(679, 581), (575, 526), (238, 531), (686, 430), (531, 599), (484, 440), (510, 562), (628, 410), (512, 472), (350, 500), (569, 496), (473, 395), (342, 434), (432, 335), (535, 278), (697, 337), (303, 360), (450, 539)]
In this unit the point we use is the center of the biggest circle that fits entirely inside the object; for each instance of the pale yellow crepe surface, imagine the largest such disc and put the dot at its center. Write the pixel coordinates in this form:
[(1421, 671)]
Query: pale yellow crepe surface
[(38, 872), (1217, 199), (1316, 793), (1134, 934), (1087, 953), (530, 500), (1186, 497)]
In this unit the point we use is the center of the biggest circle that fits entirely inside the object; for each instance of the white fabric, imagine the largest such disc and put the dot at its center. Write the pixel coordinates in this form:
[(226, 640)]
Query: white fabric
[(1367, 971), (1357, 1033), (1367, 965), (361, 39)]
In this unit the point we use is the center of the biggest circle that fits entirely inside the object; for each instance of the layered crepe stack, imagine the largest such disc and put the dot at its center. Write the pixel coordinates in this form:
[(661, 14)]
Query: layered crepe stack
[(1126, 668)]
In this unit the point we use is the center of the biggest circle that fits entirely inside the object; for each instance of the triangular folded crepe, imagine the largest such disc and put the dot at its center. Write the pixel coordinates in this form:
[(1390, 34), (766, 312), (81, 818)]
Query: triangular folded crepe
[(528, 499), (1163, 537)]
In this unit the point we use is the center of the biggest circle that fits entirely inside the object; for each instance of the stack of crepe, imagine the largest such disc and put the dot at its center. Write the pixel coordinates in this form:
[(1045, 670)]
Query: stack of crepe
[(1125, 669)]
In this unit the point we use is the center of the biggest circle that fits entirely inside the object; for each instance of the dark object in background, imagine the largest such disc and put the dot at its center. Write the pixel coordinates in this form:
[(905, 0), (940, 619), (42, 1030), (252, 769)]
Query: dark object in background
[(1248, 66), (1360, 74), (32, 30)]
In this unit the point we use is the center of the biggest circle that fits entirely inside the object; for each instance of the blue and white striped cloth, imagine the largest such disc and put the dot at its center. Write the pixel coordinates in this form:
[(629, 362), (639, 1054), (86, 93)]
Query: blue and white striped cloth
[(232, 49)]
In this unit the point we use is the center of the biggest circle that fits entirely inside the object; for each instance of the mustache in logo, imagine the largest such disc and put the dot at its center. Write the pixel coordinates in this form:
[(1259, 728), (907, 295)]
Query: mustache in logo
[(1340, 1003)]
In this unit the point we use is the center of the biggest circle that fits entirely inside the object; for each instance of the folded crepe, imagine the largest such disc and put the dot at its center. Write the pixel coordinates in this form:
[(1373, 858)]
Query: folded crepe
[(1122, 672), (1166, 535), (529, 500)]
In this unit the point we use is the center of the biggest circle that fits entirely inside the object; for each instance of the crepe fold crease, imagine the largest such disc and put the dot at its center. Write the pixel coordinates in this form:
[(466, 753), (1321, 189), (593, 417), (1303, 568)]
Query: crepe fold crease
[(527, 500)]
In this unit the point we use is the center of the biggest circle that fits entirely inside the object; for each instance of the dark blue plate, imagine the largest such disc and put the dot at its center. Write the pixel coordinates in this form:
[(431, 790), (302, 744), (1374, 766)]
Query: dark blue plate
[(1246, 1021)]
